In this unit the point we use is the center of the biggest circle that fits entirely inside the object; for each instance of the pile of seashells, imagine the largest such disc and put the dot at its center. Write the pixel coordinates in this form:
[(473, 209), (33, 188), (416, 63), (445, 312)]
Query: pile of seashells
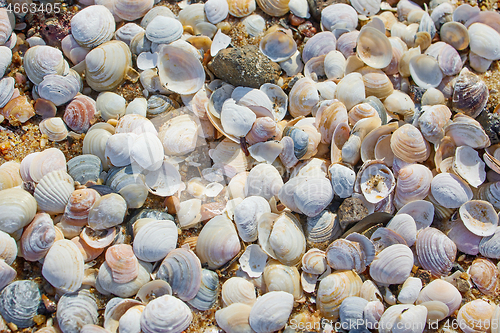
[(374, 115)]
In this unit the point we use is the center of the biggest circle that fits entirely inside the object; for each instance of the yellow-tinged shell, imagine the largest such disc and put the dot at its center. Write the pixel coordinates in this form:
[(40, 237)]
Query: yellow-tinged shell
[(54, 128), (408, 144), (475, 316), (278, 277), (274, 7), (241, 8), (18, 110), (377, 83), (333, 289), (484, 274), (361, 111), (17, 209), (303, 97), (10, 175)]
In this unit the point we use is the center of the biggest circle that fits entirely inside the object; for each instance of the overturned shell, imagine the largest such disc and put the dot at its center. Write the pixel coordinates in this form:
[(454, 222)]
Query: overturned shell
[(19, 303), (374, 48), (277, 303), (278, 46), (393, 265), (479, 217), (182, 270), (376, 181), (63, 266), (438, 262), (38, 237), (469, 166), (166, 313)]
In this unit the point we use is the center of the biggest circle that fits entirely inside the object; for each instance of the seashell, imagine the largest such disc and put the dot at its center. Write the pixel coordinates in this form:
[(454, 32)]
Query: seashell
[(377, 83), (369, 143), (39, 165), (72, 50), (469, 166), (263, 129), (449, 60), (405, 226), (131, 10), (10, 175), (475, 316), (19, 303), (343, 179), (373, 312), (303, 97), (343, 254), (470, 94), (157, 104), (122, 262), (422, 212), (254, 24), (484, 274), (322, 229), (405, 7), (42, 60), (412, 317), (110, 105), (239, 8), (312, 195), (88, 252), (274, 8), (375, 57), (54, 128), (375, 180), (414, 182), (75, 310), (92, 26), (53, 191), (479, 217), (351, 312), (299, 8), (6, 59), (38, 237), (234, 318), (216, 11), (277, 303), (166, 313), (427, 25), (314, 262), (351, 90), (108, 285), (440, 189), (437, 262), (107, 65), (436, 311), (164, 30), (155, 11), (455, 34), (370, 291), (236, 120), (478, 63), (179, 135), (253, 260), (442, 14), (399, 104), (408, 144), (7, 90), (85, 168), (6, 26), (129, 185), (118, 148), (488, 246), (208, 292), (97, 239), (211, 249), (385, 237), (351, 148), (127, 32), (433, 121), (153, 289), (155, 240), (393, 265), (17, 209), (278, 277), (278, 46), (79, 114), (63, 266), (147, 152), (238, 290), (320, 44), (182, 270), (18, 110), (425, 71), (138, 106), (189, 213), (246, 215), (333, 289), (465, 131), (341, 14), (346, 44), (7, 274), (484, 41), (410, 291), (59, 89), (263, 180)]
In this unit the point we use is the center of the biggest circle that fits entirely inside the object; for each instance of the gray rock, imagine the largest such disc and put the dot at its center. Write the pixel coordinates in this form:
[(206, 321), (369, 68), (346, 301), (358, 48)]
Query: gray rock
[(244, 66), (491, 125), (351, 211)]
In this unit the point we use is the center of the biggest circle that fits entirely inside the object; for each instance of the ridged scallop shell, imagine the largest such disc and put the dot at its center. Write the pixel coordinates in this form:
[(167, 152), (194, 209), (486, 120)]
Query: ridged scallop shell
[(107, 65), (303, 98), (342, 14), (479, 217), (92, 26), (277, 303), (63, 266), (75, 310), (217, 242), (234, 318), (393, 265), (166, 313), (470, 94), (19, 303), (475, 316), (408, 144), (343, 254), (155, 240), (238, 290), (180, 71), (437, 262), (122, 262), (281, 237), (484, 274), (411, 317), (333, 289), (53, 191), (79, 114), (54, 128), (10, 175), (7, 274), (182, 270), (450, 191), (414, 183), (38, 237), (208, 292), (278, 277), (17, 209), (106, 284), (42, 60)]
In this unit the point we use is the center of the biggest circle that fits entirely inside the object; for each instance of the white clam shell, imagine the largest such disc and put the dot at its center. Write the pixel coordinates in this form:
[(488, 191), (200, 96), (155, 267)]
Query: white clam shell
[(412, 317), (63, 266), (443, 291), (425, 71), (450, 191), (8, 248), (351, 90), (75, 310), (17, 209), (255, 99), (6, 89), (118, 148), (278, 46), (271, 311), (127, 32), (131, 10), (5, 26), (179, 135), (166, 314), (217, 242), (53, 191), (247, 214), (343, 179), (278, 277), (484, 41), (234, 318), (414, 182), (155, 240), (435, 251), (6, 59), (42, 60), (404, 225), (164, 30), (339, 14), (263, 180), (410, 290), (7, 274), (110, 105), (59, 89), (238, 290), (93, 26), (393, 265), (303, 98), (108, 211), (366, 7), (216, 10), (314, 262), (236, 119), (147, 152), (374, 48), (468, 165), (479, 217), (54, 128)]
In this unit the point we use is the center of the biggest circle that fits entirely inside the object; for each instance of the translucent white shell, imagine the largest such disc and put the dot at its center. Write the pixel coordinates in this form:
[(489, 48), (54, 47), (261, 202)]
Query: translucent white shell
[(93, 26), (155, 240), (246, 216), (374, 48), (131, 10), (216, 10), (468, 165), (263, 180), (17, 209), (393, 265), (166, 313), (479, 217), (422, 212), (59, 89), (63, 266), (271, 311), (179, 135), (410, 290)]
